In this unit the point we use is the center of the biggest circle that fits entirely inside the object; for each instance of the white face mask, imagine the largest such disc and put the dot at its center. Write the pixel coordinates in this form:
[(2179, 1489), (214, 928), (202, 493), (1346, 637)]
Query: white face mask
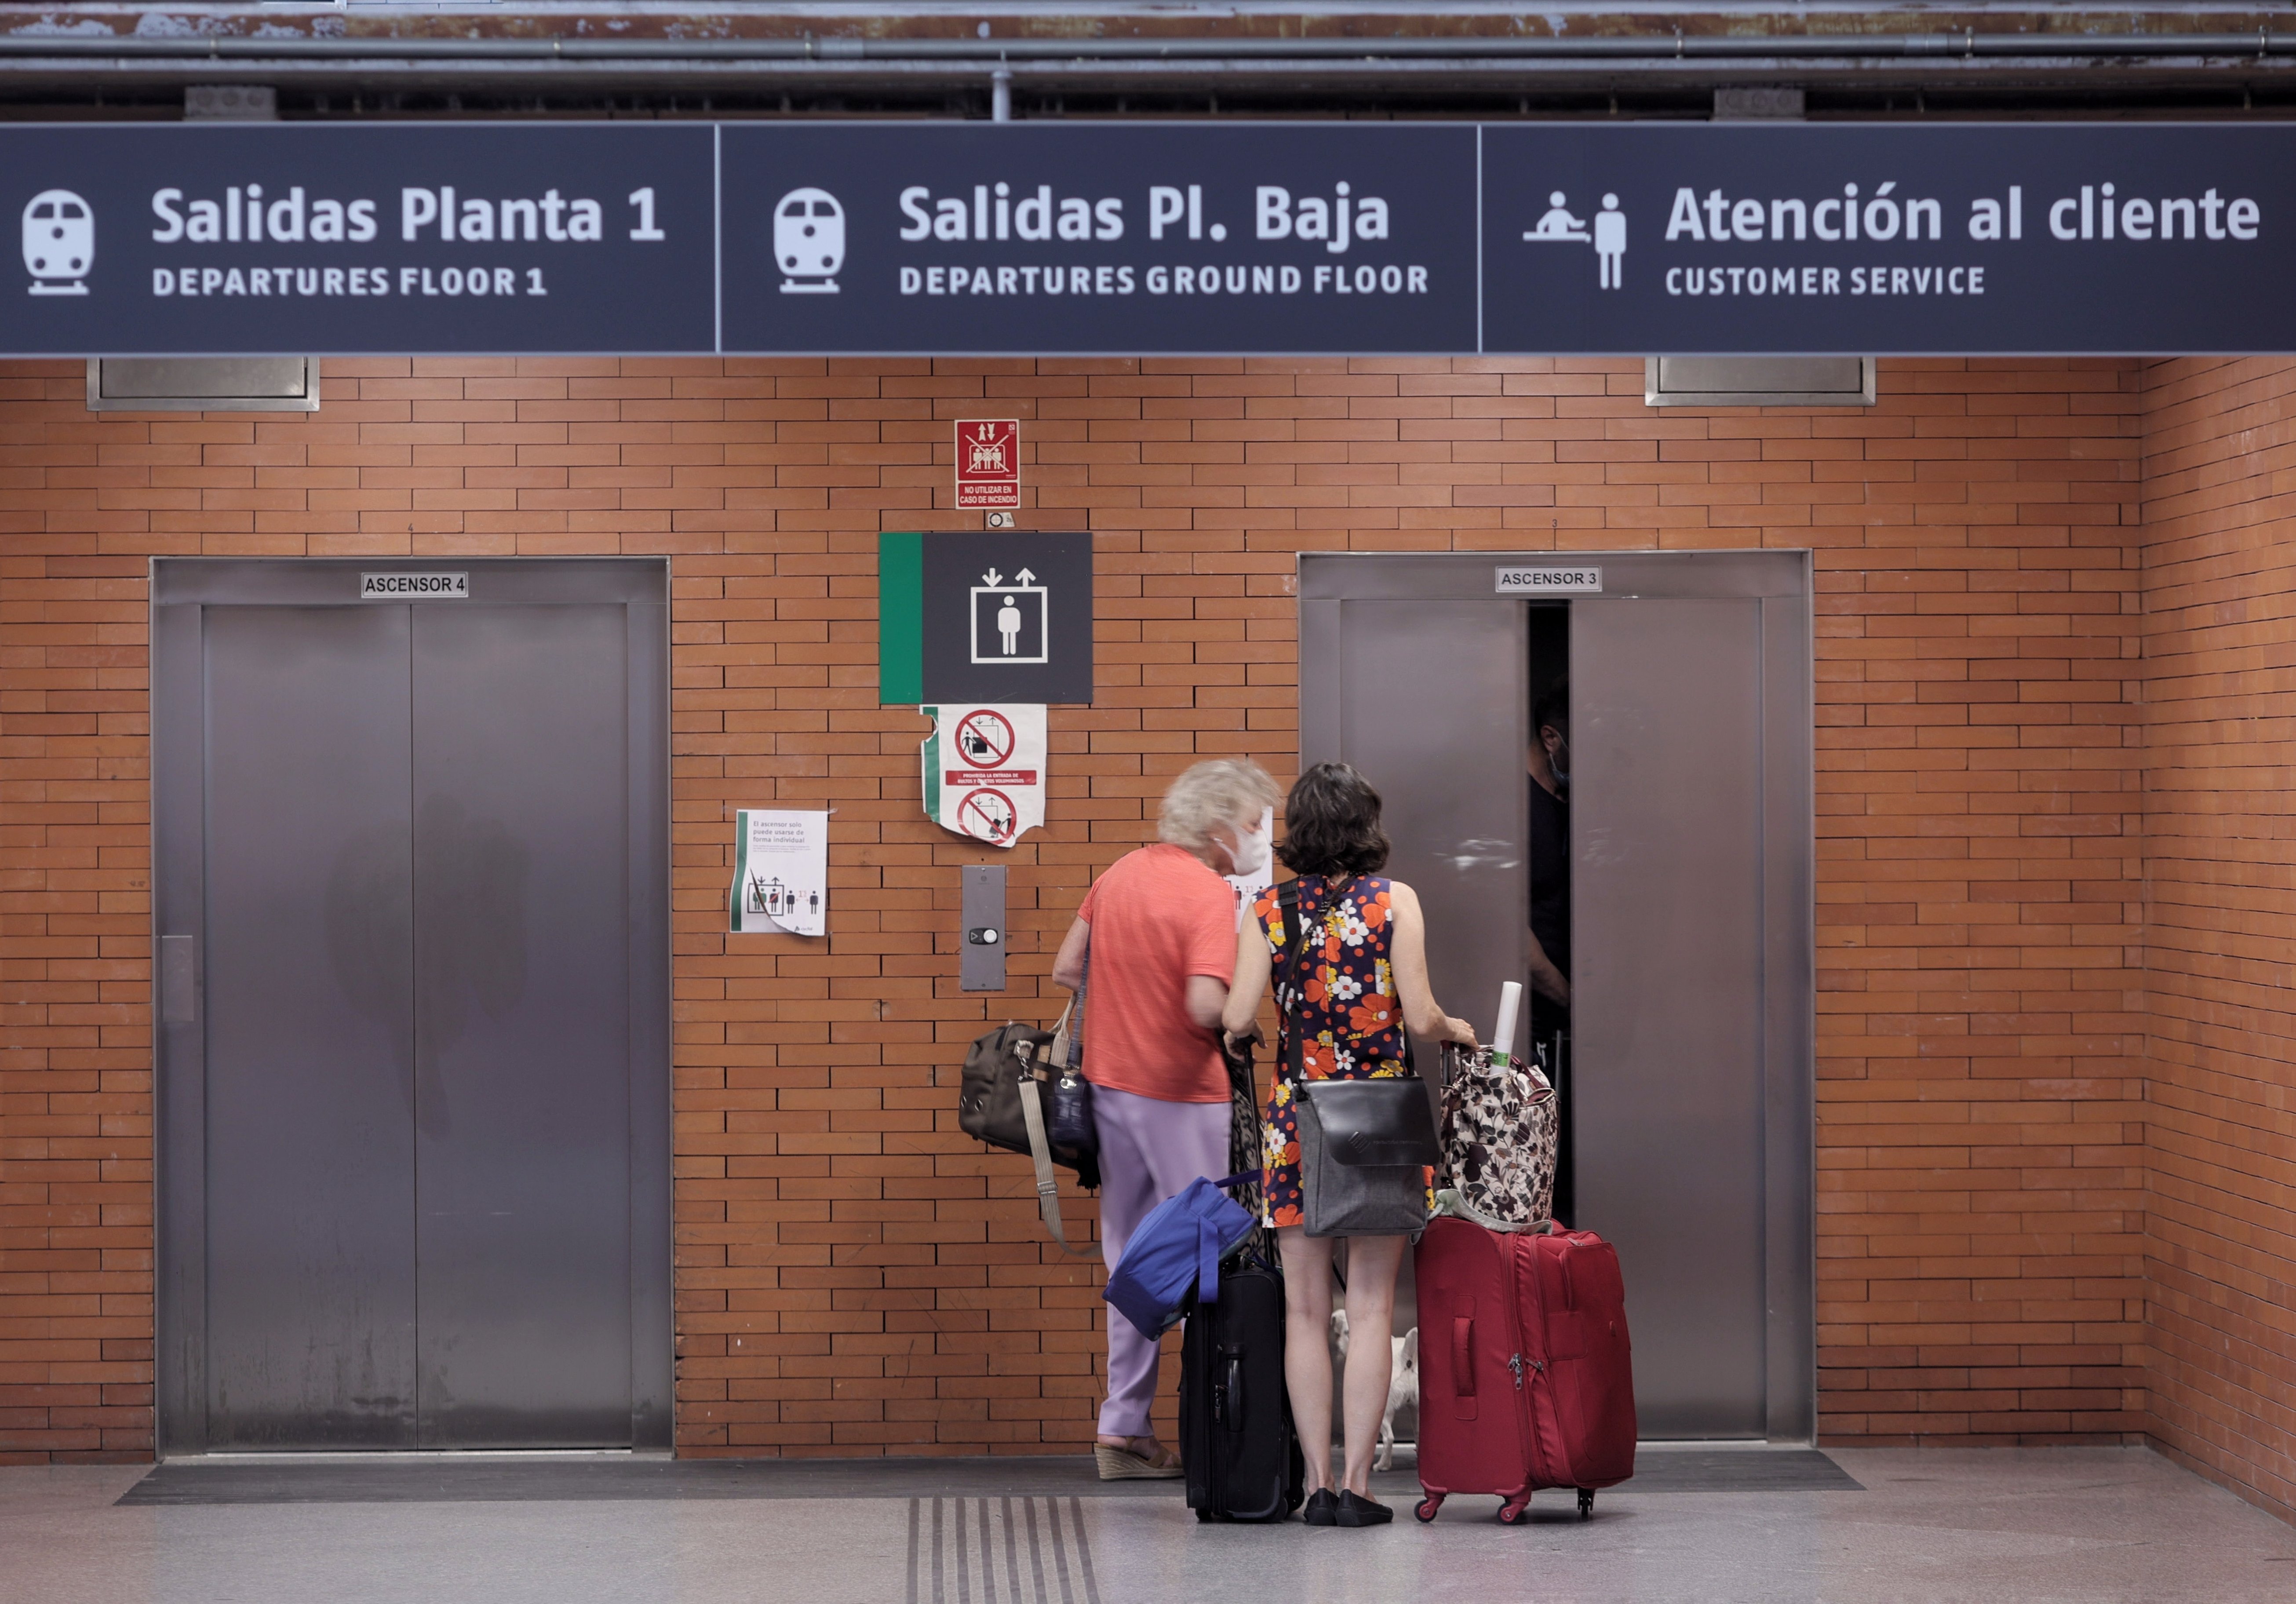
[(1250, 855)]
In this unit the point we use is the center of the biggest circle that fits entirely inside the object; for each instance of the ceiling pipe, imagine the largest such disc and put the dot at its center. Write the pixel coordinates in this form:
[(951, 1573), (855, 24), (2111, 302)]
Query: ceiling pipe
[(840, 48)]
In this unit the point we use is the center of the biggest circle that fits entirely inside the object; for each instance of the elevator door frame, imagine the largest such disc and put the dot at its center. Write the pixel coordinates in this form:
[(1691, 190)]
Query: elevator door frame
[(180, 590), (1782, 583)]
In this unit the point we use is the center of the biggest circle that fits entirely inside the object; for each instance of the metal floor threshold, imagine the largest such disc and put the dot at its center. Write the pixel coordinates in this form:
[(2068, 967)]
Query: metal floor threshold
[(537, 1478)]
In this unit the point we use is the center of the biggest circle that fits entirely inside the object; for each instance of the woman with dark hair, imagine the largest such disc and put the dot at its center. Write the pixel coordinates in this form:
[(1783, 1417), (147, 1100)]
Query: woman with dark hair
[(1358, 979)]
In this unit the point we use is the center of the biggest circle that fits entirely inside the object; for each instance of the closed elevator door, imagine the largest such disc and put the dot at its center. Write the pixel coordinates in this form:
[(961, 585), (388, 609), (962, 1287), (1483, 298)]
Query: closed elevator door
[(1690, 853), (413, 1062)]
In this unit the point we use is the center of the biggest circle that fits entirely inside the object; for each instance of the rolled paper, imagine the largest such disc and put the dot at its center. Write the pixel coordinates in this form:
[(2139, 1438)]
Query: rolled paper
[(1503, 1038)]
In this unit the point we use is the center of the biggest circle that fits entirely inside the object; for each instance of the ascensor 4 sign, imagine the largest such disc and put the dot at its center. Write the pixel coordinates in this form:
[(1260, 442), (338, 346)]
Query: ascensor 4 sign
[(1597, 239)]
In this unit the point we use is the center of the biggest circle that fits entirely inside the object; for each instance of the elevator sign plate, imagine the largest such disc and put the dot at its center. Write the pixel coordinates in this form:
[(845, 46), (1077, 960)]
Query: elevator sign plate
[(1516, 581), (414, 587)]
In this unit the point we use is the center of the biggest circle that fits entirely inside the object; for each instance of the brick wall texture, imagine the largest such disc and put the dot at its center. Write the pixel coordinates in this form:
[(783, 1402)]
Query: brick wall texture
[(2053, 667)]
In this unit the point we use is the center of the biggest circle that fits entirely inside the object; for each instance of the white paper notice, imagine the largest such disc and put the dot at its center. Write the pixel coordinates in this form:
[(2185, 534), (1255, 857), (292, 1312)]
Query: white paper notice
[(984, 769), (781, 871)]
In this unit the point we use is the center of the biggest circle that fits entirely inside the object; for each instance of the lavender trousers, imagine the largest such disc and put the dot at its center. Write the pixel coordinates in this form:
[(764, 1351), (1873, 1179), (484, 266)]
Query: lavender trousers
[(1149, 1149)]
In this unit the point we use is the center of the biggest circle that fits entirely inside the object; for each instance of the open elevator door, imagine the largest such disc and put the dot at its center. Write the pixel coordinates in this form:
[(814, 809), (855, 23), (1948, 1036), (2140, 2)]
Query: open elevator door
[(1691, 856)]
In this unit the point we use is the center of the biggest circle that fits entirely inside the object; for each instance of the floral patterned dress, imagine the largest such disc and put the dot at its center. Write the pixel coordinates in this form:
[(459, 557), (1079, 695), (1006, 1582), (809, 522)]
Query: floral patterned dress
[(1343, 1010)]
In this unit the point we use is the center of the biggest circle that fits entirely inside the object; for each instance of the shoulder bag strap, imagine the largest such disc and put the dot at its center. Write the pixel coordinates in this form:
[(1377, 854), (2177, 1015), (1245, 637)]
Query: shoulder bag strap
[(1063, 1054), (1048, 1189), (1295, 947)]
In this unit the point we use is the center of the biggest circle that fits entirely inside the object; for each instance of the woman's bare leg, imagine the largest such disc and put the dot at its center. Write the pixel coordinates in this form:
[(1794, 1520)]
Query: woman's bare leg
[(1373, 1264), (1306, 1345)]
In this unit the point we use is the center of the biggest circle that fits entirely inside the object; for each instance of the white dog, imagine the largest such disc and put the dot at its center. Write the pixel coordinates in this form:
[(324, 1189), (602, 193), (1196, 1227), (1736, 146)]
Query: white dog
[(1402, 1382)]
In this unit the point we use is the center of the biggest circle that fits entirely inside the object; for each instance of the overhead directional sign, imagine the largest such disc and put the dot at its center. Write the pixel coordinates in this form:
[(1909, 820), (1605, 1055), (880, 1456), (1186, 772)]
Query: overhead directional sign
[(1108, 237), (1886, 239), (1145, 239), (356, 239)]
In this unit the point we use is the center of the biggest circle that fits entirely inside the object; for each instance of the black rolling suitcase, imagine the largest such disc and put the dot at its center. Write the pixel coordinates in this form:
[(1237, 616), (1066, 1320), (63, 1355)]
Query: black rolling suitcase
[(1243, 1456)]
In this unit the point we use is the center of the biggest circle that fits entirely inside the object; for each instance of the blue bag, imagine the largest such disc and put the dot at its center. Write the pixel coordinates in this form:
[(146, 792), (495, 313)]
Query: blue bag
[(1176, 1253)]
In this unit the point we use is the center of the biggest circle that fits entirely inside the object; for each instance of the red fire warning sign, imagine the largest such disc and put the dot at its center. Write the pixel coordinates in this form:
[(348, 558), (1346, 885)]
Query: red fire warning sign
[(989, 463)]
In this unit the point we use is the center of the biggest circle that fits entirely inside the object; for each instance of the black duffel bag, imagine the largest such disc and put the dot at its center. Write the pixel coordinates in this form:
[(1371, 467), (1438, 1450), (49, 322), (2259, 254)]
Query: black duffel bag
[(1002, 1101)]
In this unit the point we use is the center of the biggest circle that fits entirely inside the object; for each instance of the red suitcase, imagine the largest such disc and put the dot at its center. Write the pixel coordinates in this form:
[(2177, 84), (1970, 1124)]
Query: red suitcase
[(1526, 1380)]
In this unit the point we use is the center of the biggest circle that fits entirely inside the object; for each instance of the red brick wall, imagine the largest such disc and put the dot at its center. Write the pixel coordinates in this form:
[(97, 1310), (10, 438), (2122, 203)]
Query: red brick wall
[(2220, 1243), (853, 1276)]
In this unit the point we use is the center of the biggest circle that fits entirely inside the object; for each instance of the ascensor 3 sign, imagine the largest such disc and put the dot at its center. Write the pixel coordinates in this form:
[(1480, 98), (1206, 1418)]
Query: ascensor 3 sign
[(1049, 239)]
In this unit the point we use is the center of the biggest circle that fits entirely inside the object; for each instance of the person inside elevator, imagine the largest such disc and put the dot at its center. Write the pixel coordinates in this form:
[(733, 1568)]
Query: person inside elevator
[(1360, 977), (1160, 924), (1549, 760)]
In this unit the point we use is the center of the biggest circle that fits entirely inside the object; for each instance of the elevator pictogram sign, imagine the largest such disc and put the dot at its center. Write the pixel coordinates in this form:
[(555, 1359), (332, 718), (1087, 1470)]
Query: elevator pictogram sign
[(985, 618), (989, 463)]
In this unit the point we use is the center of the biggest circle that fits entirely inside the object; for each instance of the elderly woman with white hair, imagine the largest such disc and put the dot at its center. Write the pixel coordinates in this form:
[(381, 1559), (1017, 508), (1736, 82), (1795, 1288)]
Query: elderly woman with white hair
[(1160, 925)]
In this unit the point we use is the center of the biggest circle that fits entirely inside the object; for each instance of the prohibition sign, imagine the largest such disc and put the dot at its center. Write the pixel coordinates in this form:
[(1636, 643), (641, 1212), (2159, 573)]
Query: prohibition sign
[(984, 738), (994, 820)]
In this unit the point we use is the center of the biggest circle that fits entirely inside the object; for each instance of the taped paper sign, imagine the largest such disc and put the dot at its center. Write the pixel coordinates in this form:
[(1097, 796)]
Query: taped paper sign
[(984, 769), (781, 871)]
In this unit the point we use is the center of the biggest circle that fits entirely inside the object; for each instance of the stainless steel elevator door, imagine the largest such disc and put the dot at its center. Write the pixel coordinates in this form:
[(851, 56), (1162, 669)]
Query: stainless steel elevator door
[(1667, 992), (1433, 703), (414, 1168), (310, 1102), (1692, 978), (522, 1008)]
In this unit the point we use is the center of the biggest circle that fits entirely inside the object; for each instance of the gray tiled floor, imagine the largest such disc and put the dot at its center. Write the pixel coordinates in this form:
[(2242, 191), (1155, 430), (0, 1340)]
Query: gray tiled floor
[(2000, 1526)]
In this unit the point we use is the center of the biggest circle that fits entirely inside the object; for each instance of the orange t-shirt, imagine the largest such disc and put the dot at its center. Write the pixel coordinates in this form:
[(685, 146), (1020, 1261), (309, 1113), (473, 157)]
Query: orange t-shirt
[(1157, 916)]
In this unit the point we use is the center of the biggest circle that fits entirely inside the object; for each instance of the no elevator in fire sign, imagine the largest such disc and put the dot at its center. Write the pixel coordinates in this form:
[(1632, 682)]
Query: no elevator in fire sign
[(987, 463)]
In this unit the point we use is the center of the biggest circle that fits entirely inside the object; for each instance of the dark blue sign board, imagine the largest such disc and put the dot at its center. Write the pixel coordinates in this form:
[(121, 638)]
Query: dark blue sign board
[(360, 239), (1149, 239), (1005, 617), (1888, 239), (1103, 238)]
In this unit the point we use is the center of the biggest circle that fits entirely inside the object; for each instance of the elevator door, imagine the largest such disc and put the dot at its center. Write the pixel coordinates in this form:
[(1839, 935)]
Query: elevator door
[(1666, 736), (411, 913), (1690, 853)]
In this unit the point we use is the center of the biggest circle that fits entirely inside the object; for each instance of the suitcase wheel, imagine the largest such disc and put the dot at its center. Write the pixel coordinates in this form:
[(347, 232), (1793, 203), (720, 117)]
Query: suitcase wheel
[(1206, 1516), (1511, 1513), (1426, 1507), (1586, 1504)]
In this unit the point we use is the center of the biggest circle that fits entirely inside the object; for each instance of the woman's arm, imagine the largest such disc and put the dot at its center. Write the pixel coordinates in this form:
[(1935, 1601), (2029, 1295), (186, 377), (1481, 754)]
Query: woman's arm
[(1251, 983), (1068, 968), (1549, 980), (1408, 953)]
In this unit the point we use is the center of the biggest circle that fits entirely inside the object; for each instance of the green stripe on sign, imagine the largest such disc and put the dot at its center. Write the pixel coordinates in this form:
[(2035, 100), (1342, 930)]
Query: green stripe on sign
[(933, 765), (900, 618)]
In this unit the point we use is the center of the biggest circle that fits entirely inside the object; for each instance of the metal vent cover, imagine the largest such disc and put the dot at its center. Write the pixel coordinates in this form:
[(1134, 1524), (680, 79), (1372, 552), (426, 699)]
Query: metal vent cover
[(204, 384), (1758, 381)]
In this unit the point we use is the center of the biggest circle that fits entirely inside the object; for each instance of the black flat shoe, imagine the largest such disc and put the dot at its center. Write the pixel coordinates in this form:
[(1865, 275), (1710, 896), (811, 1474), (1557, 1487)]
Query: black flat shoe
[(1322, 1508), (1355, 1510)]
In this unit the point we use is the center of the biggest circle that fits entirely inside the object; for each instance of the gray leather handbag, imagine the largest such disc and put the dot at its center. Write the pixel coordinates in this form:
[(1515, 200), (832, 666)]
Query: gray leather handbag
[(1364, 1145)]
